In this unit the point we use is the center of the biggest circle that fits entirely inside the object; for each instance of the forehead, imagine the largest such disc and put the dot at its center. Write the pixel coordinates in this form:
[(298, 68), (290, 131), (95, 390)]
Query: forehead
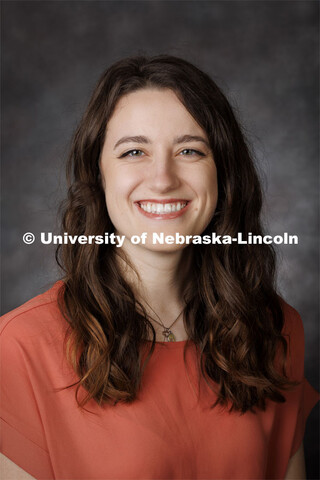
[(157, 111)]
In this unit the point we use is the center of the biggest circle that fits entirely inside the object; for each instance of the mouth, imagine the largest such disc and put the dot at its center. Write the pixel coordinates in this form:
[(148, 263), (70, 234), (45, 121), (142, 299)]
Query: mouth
[(163, 209)]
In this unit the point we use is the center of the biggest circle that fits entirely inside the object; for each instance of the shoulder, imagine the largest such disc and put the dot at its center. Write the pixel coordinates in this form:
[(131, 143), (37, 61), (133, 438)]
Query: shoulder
[(293, 326), (32, 365), (293, 332), (292, 319), (41, 314)]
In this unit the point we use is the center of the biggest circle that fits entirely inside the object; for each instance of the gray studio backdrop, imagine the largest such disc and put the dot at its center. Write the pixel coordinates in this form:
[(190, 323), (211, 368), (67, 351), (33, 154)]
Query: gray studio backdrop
[(262, 53)]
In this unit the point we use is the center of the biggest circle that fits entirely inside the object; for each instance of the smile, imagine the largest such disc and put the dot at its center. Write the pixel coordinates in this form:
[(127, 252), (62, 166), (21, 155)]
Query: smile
[(163, 208)]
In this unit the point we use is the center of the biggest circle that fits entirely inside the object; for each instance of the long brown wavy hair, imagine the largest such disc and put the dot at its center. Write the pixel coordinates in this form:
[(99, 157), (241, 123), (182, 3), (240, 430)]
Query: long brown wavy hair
[(233, 314)]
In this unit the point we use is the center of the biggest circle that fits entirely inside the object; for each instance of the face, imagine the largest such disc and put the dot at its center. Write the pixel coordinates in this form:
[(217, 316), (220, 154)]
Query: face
[(157, 169)]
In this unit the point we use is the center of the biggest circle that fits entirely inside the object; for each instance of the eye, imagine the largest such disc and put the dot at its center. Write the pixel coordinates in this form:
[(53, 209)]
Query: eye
[(188, 152), (132, 153)]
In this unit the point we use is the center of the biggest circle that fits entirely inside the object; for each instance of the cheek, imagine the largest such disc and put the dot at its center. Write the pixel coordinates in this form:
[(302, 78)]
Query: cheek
[(212, 183), (206, 186), (119, 184)]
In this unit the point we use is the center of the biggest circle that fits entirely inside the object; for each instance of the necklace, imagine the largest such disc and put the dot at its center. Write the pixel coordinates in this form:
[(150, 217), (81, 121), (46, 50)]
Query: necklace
[(167, 333)]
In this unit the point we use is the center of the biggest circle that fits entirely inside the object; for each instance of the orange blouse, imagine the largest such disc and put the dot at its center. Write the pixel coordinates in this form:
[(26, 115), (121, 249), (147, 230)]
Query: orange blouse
[(169, 432)]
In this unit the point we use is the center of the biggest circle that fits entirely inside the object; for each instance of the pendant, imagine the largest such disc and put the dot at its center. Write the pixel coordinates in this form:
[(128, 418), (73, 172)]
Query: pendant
[(168, 335), (171, 337)]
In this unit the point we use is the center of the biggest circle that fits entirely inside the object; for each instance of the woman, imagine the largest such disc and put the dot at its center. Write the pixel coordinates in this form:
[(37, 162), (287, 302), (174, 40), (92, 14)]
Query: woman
[(157, 360)]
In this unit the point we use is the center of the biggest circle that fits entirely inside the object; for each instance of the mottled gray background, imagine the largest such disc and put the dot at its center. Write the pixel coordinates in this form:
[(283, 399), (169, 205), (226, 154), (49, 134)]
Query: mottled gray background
[(263, 54)]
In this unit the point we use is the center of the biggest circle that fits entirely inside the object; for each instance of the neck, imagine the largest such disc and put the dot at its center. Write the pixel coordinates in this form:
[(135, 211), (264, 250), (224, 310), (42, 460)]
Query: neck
[(159, 281)]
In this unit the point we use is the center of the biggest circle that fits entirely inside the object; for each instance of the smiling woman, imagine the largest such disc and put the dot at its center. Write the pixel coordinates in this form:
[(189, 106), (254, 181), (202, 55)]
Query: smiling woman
[(162, 180), (157, 360)]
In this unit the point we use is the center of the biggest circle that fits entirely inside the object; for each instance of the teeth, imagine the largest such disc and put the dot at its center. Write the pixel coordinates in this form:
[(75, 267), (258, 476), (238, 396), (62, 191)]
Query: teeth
[(162, 208)]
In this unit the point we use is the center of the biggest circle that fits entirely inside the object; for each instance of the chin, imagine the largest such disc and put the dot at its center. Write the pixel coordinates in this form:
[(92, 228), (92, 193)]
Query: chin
[(165, 248)]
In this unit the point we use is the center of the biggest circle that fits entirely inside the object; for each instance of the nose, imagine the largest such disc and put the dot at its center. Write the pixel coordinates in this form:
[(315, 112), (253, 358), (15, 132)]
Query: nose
[(163, 175)]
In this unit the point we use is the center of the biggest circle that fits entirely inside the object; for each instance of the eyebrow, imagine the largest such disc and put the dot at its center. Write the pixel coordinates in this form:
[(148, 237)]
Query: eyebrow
[(177, 140)]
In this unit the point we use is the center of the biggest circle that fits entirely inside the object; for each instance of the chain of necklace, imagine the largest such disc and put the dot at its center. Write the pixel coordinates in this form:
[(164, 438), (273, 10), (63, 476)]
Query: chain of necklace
[(167, 333)]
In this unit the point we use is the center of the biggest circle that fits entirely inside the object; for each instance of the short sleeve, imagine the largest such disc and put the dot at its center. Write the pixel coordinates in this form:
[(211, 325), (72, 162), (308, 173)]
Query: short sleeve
[(303, 397), (22, 433)]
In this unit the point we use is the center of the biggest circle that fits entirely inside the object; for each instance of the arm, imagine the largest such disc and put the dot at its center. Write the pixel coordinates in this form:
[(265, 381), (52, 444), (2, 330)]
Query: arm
[(296, 467), (11, 471)]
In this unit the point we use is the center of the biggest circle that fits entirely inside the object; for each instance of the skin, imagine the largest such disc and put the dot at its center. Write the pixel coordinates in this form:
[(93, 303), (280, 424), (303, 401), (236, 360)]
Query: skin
[(160, 169), (157, 168)]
